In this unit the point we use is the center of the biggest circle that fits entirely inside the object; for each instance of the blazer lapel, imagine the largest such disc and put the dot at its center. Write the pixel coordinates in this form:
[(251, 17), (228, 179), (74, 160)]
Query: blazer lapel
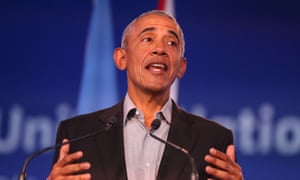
[(175, 162), (110, 146)]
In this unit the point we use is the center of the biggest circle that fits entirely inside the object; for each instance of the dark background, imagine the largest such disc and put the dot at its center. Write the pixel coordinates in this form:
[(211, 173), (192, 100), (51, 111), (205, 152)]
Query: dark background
[(241, 55)]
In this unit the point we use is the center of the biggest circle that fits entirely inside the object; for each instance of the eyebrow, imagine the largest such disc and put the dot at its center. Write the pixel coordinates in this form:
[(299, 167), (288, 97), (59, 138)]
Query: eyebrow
[(153, 28)]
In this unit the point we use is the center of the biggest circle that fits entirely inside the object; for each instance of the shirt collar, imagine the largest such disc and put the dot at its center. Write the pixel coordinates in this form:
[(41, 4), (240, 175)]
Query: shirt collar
[(130, 109)]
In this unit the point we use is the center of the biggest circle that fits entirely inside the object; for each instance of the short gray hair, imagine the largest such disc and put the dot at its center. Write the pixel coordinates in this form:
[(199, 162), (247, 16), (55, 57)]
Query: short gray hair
[(124, 43)]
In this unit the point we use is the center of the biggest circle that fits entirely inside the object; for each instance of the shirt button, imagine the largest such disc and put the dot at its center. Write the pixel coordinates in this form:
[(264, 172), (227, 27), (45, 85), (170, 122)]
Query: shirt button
[(147, 164), (137, 112)]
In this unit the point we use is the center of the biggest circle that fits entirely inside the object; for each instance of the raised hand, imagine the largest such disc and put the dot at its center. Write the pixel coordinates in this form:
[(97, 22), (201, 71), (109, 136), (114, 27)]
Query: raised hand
[(65, 168), (225, 166)]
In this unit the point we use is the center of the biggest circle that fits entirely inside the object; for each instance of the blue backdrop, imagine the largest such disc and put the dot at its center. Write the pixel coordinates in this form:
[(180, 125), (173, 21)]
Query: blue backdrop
[(243, 71)]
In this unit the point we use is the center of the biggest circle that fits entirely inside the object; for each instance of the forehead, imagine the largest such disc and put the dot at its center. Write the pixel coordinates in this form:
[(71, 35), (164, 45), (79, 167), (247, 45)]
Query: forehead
[(156, 21)]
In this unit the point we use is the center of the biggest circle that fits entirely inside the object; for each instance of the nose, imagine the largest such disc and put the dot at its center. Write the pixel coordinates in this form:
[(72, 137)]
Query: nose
[(159, 52), (159, 49)]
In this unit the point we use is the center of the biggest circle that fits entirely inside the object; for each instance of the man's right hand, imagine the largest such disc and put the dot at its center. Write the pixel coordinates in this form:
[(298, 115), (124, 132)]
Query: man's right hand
[(64, 168)]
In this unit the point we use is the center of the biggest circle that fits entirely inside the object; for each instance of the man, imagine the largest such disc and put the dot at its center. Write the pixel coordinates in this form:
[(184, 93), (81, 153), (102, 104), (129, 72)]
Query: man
[(152, 53)]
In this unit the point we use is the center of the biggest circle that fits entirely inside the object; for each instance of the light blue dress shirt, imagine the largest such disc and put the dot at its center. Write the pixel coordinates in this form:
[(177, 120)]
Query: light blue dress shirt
[(142, 152)]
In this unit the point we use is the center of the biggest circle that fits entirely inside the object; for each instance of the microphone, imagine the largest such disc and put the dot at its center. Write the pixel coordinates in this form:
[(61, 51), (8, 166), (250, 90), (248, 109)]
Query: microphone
[(108, 124), (154, 126)]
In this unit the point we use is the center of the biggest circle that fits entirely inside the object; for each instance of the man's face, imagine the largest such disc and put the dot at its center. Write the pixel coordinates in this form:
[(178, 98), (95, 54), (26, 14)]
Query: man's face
[(154, 54)]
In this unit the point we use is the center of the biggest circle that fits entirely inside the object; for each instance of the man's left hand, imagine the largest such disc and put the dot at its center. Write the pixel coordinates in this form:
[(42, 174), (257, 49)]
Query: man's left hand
[(225, 166)]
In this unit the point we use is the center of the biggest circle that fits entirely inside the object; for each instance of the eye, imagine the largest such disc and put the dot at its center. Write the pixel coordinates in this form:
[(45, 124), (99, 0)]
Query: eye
[(147, 39), (172, 43)]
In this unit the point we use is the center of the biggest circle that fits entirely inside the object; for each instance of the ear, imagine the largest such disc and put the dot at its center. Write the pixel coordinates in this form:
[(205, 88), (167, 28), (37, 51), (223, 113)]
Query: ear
[(119, 58), (182, 68)]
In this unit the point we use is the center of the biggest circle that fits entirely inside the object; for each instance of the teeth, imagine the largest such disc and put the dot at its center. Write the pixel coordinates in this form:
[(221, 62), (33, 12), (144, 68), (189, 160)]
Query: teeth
[(158, 66)]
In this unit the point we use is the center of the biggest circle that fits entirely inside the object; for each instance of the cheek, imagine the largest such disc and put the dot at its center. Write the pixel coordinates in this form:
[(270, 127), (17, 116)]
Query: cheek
[(176, 63), (137, 61), (134, 67)]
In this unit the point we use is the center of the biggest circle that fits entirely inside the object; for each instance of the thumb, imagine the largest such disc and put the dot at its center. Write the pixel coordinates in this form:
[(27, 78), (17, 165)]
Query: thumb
[(64, 150), (230, 151)]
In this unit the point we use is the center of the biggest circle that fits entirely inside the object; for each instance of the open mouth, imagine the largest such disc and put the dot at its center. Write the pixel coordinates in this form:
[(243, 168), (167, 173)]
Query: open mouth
[(157, 67)]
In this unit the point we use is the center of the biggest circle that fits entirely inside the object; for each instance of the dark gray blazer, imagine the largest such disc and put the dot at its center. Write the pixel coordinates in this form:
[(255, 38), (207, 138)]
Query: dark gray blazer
[(105, 151)]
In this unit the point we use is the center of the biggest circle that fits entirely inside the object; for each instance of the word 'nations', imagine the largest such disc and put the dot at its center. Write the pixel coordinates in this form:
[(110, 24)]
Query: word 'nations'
[(255, 132)]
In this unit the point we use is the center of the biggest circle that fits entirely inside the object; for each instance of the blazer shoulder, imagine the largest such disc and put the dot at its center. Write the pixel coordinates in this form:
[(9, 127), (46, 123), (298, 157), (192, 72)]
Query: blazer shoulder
[(200, 121), (90, 119)]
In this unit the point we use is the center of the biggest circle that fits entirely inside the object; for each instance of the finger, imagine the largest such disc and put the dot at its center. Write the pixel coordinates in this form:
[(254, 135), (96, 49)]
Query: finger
[(217, 173), (69, 158), (230, 151), (74, 168), (220, 160), (64, 168), (236, 173), (86, 176), (218, 154), (219, 163), (225, 166), (64, 150)]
